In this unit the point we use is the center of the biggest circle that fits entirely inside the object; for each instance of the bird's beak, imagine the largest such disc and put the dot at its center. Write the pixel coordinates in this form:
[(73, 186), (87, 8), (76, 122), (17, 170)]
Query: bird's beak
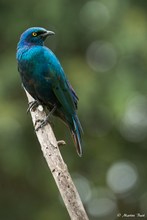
[(47, 33)]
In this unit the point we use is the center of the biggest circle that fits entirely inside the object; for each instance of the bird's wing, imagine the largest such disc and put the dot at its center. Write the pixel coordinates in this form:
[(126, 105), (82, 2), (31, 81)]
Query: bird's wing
[(74, 95), (60, 85), (64, 92)]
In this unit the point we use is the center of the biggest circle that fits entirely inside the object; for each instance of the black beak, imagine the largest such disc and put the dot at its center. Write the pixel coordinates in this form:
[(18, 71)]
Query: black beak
[(47, 33)]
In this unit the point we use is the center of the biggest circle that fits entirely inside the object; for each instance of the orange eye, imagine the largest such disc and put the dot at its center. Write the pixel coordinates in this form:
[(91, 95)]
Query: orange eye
[(34, 34)]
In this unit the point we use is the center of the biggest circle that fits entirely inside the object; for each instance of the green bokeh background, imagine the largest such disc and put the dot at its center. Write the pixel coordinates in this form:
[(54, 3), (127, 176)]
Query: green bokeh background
[(103, 50)]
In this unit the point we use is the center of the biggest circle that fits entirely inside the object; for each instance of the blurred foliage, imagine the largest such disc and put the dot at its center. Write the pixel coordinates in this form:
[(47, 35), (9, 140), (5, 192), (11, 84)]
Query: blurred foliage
[(102, 47)]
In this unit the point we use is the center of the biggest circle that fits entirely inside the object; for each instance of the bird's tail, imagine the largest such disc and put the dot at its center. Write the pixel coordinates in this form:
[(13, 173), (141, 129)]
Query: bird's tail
[(76, 133), (75, 127)]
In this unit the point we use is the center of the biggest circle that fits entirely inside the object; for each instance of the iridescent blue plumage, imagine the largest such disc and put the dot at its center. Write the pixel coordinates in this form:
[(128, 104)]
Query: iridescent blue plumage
[(44, 79)]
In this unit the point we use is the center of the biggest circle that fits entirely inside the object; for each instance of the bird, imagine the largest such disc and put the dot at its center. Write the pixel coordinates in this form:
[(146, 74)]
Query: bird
[(44, 79)]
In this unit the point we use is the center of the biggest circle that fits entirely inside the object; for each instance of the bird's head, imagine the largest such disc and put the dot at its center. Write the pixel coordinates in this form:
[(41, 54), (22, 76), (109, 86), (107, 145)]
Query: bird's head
[(34, 36)]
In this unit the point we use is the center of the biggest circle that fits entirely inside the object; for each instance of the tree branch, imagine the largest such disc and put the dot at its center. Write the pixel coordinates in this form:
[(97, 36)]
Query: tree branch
[(49, 147)]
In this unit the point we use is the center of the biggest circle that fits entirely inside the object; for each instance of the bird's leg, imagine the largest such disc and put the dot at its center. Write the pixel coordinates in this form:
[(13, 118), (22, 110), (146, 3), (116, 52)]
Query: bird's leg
[(46, 120), (33, 105)]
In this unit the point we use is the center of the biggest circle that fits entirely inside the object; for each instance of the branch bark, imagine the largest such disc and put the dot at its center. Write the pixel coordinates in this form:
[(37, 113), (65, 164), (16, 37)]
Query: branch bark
[(59, 170)]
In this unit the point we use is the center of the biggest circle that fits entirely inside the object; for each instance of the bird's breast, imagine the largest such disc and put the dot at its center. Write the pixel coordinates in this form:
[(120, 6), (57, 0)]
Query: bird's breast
[(37, 74)]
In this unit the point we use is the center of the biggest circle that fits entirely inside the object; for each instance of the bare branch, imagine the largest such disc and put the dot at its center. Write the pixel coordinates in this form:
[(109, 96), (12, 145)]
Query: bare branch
[(49, 147)]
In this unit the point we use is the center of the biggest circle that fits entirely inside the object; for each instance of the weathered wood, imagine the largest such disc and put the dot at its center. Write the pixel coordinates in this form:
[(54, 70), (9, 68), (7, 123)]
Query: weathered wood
[(59, 170)]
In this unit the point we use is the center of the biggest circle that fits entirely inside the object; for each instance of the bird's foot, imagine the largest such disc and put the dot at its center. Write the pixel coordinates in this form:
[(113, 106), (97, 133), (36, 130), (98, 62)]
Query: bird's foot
[(61, 143), (33, 105), (43, 123), (46, 120)]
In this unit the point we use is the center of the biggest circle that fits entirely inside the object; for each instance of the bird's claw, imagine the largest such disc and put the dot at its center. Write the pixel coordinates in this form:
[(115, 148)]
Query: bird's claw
[(43, 123), (46, 120), (33, 105)]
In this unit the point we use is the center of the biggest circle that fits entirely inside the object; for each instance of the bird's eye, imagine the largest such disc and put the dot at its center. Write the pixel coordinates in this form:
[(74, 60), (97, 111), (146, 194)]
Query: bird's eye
[(34, 34)]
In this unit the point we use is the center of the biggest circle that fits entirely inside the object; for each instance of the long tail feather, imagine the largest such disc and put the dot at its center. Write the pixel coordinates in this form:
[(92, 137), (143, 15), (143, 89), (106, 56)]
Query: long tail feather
[(75, 127), (76, 133)]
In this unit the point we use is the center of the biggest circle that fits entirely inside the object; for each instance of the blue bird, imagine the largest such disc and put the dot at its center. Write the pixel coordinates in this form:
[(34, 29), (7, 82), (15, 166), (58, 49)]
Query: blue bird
[(44, 79)]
